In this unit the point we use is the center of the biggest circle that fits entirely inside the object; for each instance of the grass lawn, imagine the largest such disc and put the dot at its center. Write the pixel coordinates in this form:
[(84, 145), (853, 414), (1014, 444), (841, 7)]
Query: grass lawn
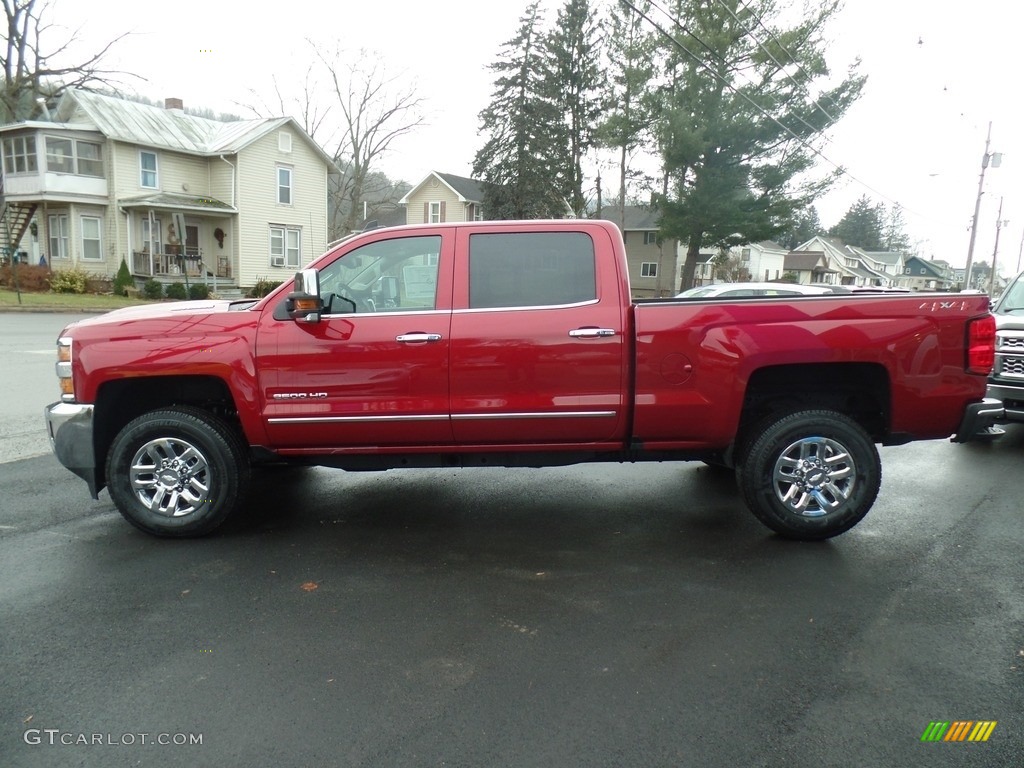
[(67, 302)]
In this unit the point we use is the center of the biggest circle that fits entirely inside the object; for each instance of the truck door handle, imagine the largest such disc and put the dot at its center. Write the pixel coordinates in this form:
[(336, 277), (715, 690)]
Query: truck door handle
[(417, 338), (591, 333)]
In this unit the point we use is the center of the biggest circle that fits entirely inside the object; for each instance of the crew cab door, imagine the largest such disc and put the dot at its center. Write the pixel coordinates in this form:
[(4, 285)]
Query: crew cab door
[(538, 354), (374, 370)]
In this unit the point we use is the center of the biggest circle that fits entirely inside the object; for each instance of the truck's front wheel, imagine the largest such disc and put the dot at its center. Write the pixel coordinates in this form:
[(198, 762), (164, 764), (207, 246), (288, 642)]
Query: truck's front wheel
[(810, 475), (177, 472)]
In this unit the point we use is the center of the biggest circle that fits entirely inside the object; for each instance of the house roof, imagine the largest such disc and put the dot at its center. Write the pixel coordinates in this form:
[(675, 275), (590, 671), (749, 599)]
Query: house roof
[(168, 200), (882, 257), (637, 217), (806, 261), (468, 190), (471, 190), (172, 129), (935, 269)]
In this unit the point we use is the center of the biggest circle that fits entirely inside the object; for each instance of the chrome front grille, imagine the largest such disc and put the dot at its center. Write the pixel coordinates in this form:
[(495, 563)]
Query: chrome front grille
[(1009, 354)]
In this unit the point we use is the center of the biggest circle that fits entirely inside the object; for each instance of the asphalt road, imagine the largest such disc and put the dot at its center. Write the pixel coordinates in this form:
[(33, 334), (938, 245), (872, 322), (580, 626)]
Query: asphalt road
[(604, 615), (584, 616), (28, 381)]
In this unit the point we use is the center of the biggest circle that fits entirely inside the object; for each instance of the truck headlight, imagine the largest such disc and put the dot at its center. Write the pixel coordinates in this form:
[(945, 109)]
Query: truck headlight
[(67, 384)]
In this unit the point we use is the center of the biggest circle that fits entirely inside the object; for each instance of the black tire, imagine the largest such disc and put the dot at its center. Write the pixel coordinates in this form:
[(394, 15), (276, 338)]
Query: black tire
[(177, 472), (810, 475)]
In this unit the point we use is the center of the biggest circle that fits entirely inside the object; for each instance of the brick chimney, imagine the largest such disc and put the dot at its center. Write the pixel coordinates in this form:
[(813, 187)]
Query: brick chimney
[(174, 104)]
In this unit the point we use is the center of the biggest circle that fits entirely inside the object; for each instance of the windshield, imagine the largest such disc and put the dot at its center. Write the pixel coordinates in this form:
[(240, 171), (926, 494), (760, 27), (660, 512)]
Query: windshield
[(1013, 300)]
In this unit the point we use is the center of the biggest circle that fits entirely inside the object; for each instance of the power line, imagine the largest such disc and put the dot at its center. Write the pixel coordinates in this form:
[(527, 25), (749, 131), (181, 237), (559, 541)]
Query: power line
[(775, 39), (718, 57), (779, 64)]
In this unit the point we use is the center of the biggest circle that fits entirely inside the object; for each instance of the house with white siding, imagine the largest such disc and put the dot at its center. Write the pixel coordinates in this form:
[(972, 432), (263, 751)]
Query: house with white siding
[(851, 265), (173, 195)]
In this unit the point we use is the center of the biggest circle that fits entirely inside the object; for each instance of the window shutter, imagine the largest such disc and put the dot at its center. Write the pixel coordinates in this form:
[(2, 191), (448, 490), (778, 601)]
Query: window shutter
[(442, 210), (426, 213)]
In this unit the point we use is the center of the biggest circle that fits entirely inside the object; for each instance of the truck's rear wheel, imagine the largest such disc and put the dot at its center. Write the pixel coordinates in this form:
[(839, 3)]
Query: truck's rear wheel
[(177, 472), (810, 475)]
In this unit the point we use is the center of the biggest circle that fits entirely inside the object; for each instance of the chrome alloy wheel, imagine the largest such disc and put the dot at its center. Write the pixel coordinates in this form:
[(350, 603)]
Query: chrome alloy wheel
[(171, 477), (814, 476)]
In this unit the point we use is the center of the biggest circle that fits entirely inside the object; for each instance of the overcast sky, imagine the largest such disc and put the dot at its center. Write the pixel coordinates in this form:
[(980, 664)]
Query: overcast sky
[(936, 77)]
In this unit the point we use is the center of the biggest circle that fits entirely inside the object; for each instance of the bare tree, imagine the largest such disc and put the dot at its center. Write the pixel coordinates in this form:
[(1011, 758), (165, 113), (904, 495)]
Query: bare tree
[(367, 110), (32, 71), (374, 109)]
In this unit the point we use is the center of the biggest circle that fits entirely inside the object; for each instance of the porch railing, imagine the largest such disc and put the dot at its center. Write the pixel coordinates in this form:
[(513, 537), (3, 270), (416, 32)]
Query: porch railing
[(171, 264)]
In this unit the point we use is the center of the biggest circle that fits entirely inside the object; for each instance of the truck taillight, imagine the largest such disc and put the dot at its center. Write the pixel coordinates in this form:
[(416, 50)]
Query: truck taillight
[(67, 386), (981, 345)]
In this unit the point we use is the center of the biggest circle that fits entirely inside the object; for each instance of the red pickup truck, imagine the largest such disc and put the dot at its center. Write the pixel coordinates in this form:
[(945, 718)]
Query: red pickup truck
[(511, 344)]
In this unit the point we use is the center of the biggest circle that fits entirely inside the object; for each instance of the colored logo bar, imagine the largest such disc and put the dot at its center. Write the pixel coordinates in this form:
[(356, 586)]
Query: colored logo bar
[(959, 730)]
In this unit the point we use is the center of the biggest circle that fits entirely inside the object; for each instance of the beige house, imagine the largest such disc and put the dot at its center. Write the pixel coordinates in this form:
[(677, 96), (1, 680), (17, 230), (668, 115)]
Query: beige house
[(654, 265), (444, 197), (172, 194)]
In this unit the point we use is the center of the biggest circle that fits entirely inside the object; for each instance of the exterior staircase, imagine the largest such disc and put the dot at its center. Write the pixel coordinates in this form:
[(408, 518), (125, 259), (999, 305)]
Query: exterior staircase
[(14, 225)]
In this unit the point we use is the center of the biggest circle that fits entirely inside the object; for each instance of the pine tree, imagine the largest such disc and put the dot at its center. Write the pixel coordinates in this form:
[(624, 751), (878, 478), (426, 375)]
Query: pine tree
[(861, 225), (630, 53), (804, 226), (521, 161), (740, 112), (575, 87)]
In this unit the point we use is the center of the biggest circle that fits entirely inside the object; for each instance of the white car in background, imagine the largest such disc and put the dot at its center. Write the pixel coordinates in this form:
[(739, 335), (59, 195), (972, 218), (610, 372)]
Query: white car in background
[(742, 290)]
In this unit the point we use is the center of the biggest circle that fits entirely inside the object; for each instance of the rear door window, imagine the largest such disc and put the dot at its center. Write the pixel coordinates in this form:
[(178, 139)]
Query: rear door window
[(531, 269)]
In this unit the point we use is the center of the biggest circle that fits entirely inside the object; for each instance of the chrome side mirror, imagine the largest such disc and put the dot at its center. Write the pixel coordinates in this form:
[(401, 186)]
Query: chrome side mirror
[(304, 304)]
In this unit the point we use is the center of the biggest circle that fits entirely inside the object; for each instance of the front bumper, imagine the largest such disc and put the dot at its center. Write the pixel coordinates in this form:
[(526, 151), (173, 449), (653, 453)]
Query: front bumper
[(70, 427), (978, 416), (1012, 397)]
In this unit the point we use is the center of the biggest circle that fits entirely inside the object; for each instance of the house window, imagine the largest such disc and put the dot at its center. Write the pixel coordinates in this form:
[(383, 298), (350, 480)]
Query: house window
[(650, 238), (434, 217), (89, 158), (20, 154), (922, 270), (284, 141), (284, 185), (83, 158), (649, 269), (766, 275), (906, 270), (284, 247), (745, 254), (91, 246), (148, 176), (478, 213), (60, 156), (58, 226)]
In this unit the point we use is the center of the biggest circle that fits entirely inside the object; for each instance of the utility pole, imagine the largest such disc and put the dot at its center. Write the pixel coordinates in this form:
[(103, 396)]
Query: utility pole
[(1000, 223), (977, 203), (1020, 252)]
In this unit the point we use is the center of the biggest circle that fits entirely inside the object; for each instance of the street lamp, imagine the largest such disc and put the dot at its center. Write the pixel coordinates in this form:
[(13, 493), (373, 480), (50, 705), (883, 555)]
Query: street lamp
[(995, 158)]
